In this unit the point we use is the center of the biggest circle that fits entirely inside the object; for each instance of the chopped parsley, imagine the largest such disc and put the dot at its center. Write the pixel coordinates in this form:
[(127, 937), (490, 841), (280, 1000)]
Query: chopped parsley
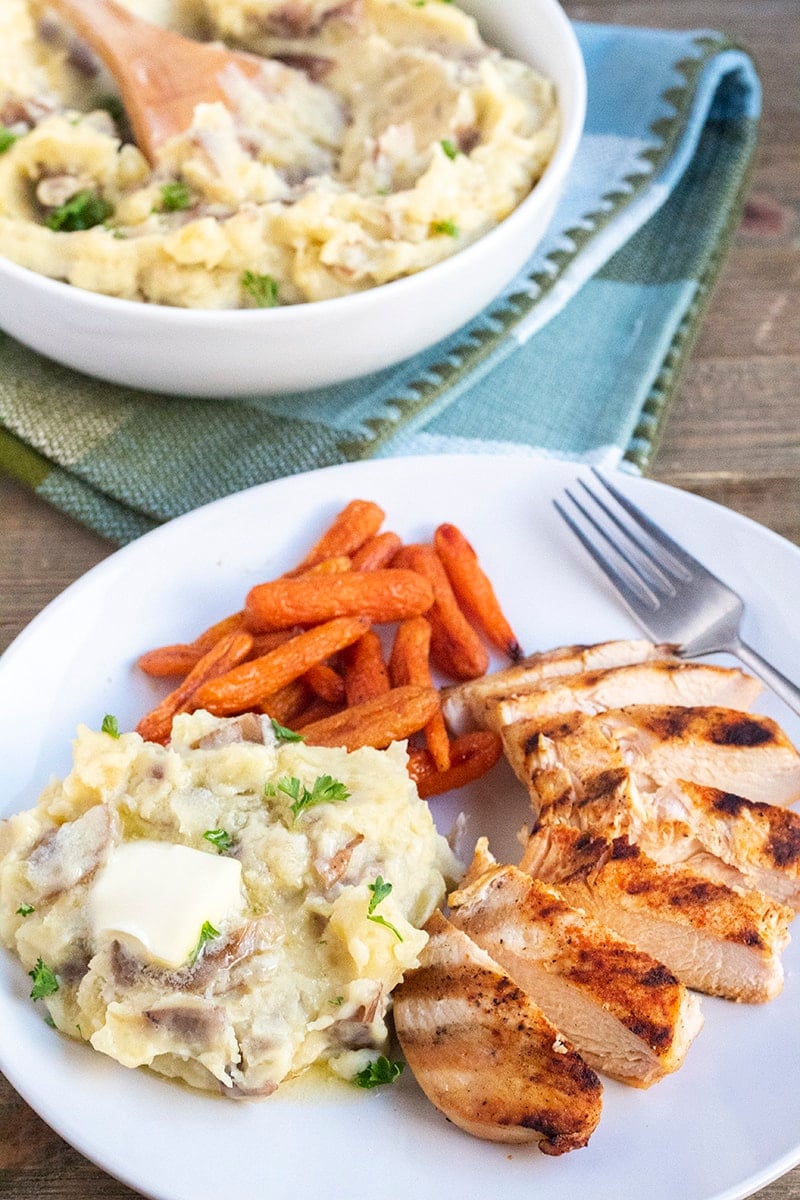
[(448, 227), (382, 1070), (110, 726), (262, 288), (7, 139), (44, 981), (325, 790), (83, 211), (175, 196), (112, 105), (207, 934), (450, 148), (25, 910), (219, 838), (283, 734), (380, 890)]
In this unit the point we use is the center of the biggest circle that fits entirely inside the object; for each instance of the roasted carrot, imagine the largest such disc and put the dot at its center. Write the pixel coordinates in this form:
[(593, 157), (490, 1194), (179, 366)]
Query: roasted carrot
[(379, 722), (365, 673), (455, 646), (178, 659), (264, 642), (471, 755), (326, 683), (169, 660), (287, 703), (317, 709), (357, 521), (231, 649), (377, 551), (473, 589), (330, 566), (386, 595), (409, 663), (209, 637), (251, 682)]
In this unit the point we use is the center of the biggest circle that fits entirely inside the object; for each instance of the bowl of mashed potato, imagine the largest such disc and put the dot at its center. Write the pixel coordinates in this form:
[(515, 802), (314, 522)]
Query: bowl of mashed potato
[(380, 180)]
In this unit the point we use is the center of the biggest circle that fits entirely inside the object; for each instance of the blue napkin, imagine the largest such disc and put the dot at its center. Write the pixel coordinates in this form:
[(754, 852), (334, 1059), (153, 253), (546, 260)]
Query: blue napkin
[(578, 358)]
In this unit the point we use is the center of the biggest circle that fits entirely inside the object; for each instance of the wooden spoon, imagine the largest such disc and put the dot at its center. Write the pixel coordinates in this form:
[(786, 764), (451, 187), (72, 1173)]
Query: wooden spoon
[(161, 75)]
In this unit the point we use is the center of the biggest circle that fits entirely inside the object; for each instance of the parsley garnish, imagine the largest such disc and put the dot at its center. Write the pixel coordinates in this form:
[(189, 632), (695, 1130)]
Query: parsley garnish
[(112, 105), (448, 227), (110, 726), (175, 196), (7, 139), (283, 734), (325, 790), (219, 838), (376, 1073), (207, 934), (83, 211), (380, 890), (263, 289), (25, 910), (44, 981), (450, 148)]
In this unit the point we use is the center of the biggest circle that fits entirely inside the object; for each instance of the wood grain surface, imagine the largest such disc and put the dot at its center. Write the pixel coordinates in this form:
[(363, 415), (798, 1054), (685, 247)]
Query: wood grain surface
[(733, 435)]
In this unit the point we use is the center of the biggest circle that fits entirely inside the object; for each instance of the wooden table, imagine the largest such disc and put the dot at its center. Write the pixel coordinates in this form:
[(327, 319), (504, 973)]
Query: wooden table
[(733, 436)]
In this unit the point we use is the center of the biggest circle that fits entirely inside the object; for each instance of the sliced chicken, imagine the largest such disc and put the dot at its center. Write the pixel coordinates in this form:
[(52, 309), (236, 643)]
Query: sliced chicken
[(486, 1055), (745, 843), (625, 1013), (715, 939), (578, 756), (661, 682), (468, 705)]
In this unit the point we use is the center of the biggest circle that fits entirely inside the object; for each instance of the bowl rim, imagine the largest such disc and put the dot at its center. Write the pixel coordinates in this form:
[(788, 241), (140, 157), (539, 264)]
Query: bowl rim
[(570, 134)]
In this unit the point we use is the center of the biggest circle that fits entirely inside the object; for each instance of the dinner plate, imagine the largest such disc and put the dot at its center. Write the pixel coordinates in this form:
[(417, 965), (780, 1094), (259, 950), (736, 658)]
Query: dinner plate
[(719, 1129)]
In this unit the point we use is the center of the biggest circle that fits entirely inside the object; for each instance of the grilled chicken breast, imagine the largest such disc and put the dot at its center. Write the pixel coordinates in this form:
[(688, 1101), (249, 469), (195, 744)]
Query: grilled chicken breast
[(485, 1054), (578, 756), (659, 682), (625, 1013), (714, 939), (469, 705), (750, 845)]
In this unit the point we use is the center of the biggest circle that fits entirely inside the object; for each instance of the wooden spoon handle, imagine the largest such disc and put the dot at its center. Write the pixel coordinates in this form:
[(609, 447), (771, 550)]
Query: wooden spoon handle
[(161, 75)]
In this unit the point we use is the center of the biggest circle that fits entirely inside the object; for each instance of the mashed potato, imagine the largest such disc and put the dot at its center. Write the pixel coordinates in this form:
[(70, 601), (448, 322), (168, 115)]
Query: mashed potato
[(380, 137), (230, 975)]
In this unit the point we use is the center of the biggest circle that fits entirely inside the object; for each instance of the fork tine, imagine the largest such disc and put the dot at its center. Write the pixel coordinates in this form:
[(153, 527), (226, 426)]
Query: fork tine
[(634, 591), (683, 564), (646, 565)]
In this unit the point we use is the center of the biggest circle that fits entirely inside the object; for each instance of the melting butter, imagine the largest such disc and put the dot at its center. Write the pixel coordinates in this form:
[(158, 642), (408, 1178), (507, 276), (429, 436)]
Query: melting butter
[(162, 894)]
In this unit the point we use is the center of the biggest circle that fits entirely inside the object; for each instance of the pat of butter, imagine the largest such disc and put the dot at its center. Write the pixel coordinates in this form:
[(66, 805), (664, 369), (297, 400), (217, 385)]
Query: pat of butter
[(162, 895)]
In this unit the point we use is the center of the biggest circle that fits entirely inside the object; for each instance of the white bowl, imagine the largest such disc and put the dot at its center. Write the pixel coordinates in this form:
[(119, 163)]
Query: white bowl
[(246, 352)]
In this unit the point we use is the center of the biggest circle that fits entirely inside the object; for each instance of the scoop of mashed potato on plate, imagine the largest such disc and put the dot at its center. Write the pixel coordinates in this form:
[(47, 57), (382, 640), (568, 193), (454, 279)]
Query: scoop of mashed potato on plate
[(227, 910), (380, 137)]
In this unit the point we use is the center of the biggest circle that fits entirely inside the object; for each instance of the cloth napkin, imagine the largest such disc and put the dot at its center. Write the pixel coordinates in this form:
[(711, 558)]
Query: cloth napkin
[(578, 358)]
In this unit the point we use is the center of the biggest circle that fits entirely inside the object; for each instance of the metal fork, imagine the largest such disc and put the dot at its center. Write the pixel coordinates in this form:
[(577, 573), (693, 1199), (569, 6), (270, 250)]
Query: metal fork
[(670, 594)]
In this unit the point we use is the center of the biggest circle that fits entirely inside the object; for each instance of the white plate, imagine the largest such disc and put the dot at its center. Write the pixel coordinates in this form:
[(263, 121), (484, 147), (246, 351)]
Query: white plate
[(722, 1127)]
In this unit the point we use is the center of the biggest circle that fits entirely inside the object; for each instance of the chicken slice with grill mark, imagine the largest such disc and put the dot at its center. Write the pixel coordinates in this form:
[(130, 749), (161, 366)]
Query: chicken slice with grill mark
[(485, 1055), (625, 1013), (750, 845), (469, 705), (715, 939), (570, 759), (662, 682)]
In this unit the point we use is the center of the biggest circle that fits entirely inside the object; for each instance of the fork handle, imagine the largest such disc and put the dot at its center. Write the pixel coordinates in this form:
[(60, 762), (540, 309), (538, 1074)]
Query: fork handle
[(782, 687)]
